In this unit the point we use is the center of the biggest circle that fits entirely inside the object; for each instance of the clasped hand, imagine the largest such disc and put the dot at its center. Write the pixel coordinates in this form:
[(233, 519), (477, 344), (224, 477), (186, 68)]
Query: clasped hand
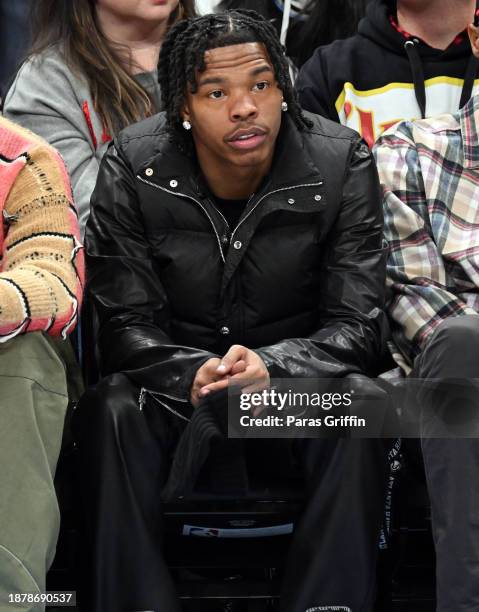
[(240, 365)]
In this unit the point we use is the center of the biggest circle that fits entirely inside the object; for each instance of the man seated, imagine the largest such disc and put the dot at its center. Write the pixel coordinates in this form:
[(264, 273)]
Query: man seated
[(41, 278), (410, 59), (430, 172), (231, 238)]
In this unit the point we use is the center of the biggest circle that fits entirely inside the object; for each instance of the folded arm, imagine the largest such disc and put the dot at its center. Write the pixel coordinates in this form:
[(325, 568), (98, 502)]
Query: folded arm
[(127, 293), (41, 278)]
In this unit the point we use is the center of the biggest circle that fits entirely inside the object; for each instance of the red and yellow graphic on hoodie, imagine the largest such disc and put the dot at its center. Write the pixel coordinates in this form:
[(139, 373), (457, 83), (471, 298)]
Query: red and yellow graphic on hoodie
[(383, 75)]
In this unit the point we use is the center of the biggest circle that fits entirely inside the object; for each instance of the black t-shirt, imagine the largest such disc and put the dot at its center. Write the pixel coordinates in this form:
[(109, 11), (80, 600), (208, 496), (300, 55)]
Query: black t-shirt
[(231, 210)]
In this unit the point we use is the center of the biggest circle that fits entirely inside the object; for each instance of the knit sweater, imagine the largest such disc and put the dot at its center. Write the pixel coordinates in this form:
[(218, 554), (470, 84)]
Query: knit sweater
[(41, 257)]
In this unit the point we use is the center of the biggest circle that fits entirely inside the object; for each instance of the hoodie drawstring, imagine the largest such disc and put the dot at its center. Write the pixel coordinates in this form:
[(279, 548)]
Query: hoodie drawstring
[(417, 75), (285, 22), (469, 78)]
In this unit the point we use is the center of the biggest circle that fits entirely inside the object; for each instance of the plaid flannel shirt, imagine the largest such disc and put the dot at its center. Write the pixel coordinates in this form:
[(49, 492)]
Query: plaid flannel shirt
[(429, 170)]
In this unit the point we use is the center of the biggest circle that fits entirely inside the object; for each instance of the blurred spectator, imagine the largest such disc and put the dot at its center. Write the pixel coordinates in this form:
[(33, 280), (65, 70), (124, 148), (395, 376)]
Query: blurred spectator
[(92, 69), (14, 37), (409, 59), (430, 173), (41, 278), (312, 22)]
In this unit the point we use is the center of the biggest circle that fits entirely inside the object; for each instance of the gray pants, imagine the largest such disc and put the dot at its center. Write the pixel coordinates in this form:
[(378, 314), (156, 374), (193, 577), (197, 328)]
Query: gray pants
[(33, 402), (452, 465)]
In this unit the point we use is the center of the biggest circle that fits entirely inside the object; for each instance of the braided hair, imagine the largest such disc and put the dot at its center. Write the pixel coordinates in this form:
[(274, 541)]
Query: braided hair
[(183, 55)]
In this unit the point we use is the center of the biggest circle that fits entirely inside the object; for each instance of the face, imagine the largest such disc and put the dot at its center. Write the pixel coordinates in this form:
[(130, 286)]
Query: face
[(145, 10), (236, 112)]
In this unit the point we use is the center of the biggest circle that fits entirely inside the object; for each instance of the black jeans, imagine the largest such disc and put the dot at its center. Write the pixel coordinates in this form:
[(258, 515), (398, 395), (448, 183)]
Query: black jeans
[(125, 456), (452, 464)]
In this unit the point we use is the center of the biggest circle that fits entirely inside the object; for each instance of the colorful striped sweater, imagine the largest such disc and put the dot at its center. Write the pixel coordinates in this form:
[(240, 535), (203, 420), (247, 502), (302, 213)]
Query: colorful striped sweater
[(41, 257)]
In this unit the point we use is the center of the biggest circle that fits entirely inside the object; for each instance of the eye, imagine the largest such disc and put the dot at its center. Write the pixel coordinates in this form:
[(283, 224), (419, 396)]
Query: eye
[(216, 95), (261, 86)]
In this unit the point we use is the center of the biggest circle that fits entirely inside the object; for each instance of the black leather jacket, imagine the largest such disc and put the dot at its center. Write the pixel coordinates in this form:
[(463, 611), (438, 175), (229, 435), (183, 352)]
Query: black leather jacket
[(301, 279)]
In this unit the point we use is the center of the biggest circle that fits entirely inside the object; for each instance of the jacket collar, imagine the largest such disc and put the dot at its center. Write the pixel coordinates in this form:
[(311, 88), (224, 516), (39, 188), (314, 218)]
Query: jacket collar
[(469, 121), (292, 164)]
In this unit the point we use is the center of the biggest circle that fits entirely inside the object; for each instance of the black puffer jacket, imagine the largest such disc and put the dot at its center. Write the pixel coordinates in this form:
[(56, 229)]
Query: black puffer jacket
[(300, 279)]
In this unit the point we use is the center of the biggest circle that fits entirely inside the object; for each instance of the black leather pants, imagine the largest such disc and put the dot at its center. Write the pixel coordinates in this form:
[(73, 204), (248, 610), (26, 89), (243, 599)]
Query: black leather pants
[(124, 458)]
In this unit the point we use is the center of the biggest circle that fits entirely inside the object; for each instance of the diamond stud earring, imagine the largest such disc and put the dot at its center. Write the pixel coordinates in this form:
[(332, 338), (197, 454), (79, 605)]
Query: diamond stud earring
[(284, 106), (186, 124)]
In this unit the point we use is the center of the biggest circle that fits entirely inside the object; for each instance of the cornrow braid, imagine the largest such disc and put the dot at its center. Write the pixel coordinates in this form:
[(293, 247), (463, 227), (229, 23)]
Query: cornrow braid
[(183, 56)]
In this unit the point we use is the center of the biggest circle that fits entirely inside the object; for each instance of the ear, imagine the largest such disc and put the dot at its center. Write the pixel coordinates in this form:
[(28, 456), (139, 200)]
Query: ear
[(185, 113), (473, 32)]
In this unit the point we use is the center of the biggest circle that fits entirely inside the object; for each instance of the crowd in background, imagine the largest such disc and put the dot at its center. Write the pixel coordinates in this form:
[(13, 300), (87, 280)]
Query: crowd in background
[(400, 74), (313, 23)]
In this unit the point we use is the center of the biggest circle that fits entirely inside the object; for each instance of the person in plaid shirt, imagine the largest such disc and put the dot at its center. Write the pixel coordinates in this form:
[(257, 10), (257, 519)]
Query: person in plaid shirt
[(429, 170)]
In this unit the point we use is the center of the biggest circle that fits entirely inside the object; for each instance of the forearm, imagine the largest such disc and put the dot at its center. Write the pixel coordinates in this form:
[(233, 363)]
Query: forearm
[(150, 358), (333, 352), (42, 271)]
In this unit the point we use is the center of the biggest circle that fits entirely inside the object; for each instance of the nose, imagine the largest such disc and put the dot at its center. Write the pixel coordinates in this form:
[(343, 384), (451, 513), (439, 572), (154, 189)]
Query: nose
[(243, 107)]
